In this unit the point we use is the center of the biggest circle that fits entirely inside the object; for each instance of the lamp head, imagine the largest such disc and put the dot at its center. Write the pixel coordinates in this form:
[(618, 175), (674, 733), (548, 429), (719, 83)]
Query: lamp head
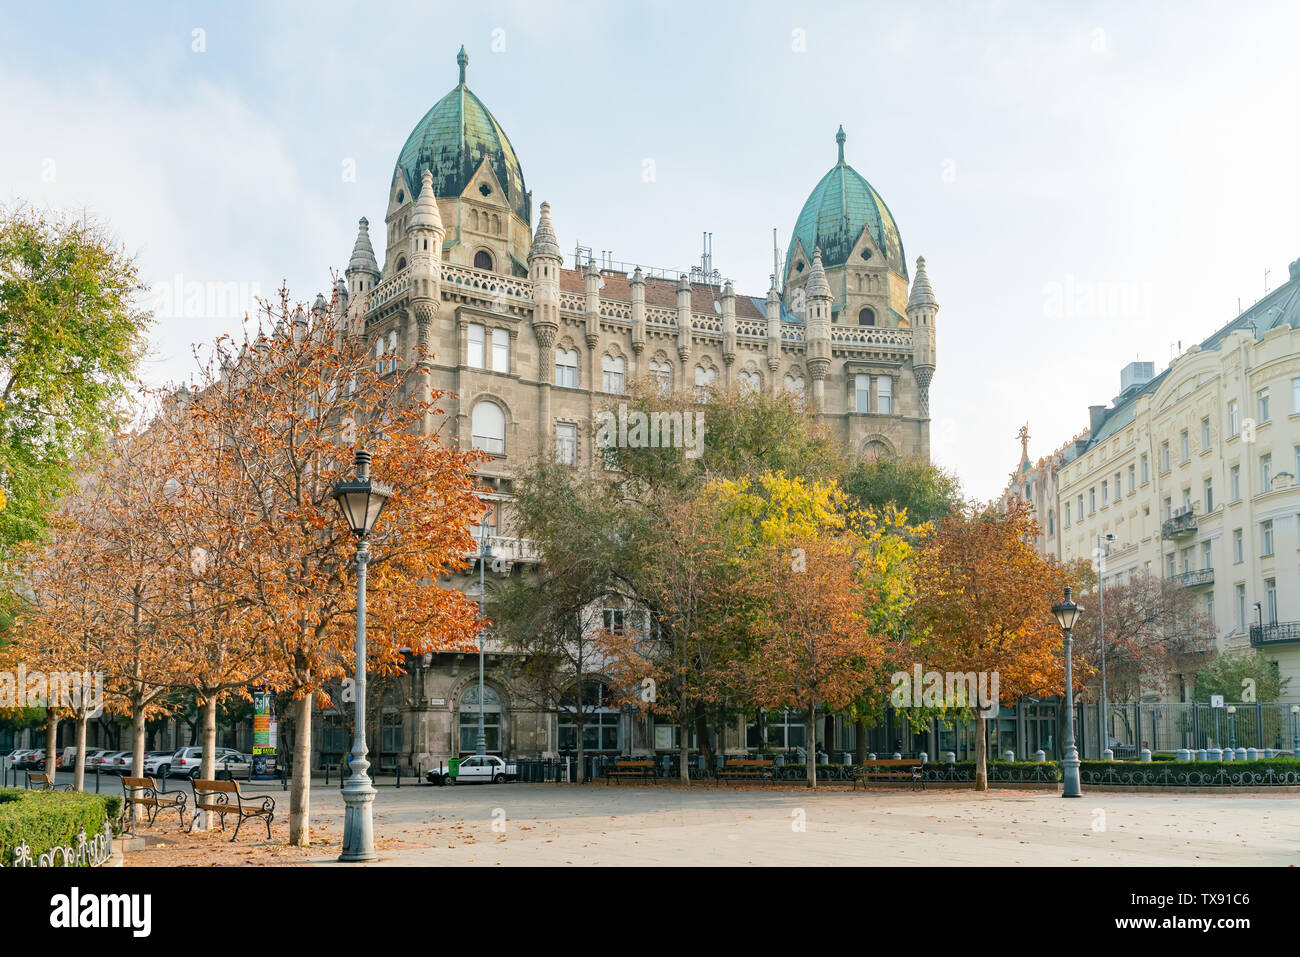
[(360, 499), (1066, 612)]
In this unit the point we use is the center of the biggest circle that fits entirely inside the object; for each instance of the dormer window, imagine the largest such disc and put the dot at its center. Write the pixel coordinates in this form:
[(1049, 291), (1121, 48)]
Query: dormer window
[(401, 196), (798, 267), (866, 255)]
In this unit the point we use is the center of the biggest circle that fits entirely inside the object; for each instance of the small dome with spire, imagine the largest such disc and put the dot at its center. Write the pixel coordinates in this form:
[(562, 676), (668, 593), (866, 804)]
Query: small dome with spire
[(544, 241), (424, 214), (363, 254), (817, 286), (922, 294)]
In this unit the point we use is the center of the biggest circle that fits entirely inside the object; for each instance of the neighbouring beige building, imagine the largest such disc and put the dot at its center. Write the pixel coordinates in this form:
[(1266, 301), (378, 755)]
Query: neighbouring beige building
[(1194, 472), (531, 343)]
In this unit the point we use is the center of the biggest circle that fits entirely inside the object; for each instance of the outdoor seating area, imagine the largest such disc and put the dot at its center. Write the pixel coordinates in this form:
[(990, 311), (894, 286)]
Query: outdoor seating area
[(224, 797), (144, 793), (890, 770)]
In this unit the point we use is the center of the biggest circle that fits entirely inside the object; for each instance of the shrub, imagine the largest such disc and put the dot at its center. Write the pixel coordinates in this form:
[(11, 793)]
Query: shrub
[(47, 819)]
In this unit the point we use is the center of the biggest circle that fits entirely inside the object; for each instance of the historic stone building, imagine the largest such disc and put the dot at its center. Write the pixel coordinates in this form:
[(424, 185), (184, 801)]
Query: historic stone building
[(530, 343)]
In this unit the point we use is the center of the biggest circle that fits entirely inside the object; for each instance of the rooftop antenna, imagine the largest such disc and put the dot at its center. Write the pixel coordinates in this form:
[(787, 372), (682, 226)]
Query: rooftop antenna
[(776, 258)]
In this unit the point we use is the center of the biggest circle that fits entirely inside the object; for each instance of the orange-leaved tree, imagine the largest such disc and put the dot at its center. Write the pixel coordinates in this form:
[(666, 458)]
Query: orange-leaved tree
[(284, 415), (984, 606)]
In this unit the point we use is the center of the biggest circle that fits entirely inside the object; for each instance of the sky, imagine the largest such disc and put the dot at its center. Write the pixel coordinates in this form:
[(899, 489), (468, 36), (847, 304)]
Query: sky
[(1090, 183)]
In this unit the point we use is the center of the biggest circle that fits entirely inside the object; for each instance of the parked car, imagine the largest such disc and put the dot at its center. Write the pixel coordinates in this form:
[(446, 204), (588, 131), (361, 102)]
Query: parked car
[(158, 764), (105, 762), (68, 760), (484, 769), (33, 760), (18, 758), (188, 762)]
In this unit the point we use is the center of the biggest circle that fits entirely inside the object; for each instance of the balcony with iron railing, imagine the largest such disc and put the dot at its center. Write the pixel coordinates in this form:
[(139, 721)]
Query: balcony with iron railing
[(1182, 522), (1195, 579), (1278, 633)]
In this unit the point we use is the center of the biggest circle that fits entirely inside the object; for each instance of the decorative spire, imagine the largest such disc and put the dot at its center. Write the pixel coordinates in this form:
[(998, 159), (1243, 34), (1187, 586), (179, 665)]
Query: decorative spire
[(363, 254), (817, 287), (462, 60), (544, 241), (922, 294), (839, 139), (425, 212)]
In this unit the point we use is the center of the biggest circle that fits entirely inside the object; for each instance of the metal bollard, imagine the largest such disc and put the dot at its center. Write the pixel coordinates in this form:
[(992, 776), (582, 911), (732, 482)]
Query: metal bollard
[(96, 778), (1008, 755), (399, 774), (952, 757), (1146, 756)]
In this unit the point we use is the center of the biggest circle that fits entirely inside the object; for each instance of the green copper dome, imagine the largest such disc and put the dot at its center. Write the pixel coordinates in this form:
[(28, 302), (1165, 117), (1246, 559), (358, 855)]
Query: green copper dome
[(833, 217), (451, 141)]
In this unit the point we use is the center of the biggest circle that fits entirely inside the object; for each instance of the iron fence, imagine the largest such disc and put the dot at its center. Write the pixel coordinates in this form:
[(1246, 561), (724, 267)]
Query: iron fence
[(1169, 726)]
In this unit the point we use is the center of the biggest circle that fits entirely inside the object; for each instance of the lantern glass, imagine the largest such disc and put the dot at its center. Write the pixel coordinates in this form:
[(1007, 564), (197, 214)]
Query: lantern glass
[(1066, 612), (361, 501)]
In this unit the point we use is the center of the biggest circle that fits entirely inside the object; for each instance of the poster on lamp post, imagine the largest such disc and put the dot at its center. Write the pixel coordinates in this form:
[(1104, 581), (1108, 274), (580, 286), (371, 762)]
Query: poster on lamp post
[(264, 735)]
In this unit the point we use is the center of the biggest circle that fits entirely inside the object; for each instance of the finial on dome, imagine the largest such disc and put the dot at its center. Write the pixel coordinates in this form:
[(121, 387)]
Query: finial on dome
[(839, 139), (462, 60)]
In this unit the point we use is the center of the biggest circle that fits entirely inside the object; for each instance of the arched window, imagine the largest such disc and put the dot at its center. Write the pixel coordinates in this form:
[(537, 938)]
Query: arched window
[(663, 373), (612, 367), (492, 712), (750, 381), (794, 383), (483, 260), (488, 428), (392, 350), (566, 368), (867, 317), (401, 264), (704, 379)]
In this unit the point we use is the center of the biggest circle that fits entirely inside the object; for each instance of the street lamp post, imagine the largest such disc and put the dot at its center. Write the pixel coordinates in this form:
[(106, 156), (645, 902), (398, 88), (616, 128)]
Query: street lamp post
[(1101, 634), (485, 550), (1067, 613), (1232, 726), (361, 501), (1295, 730)]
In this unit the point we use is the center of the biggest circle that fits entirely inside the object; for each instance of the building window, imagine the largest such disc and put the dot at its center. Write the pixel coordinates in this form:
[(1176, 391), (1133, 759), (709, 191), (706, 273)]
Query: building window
[(1171, 564), (379, 356), (1067, 514), (793, 383), (1261, 398), (1081, 506), (488, 428), (1205, 434), (1265, 471), (1132, 479), (500, 350), (1105, 494), (1234, 420), (612, 369), (867, 317), (862, 392), (474, 347), (1266, 538), (1092, 500), (884, 394), (483, 260), (1146, 470), (1295, 396), (1241, 607), (749, 381), (781, 730), (1270, 600), (1209, 495), (1169, 508), (1164, 456), (1238, 547), (600, 723), (1051, 525), (566, 443), (1185, 445), (1209, 606), (1118, 493), (467, 722), (566, 368), (663, 373), (1206, 549), (704, 379), (1234, 482)]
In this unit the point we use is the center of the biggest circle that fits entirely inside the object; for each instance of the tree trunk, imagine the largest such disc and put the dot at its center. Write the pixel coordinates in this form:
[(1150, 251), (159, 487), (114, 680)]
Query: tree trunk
[(137, 753), (702, 734), (79, 769), (812, 744), (300, 787), (684, 751), (981, 754), (208, 759), (859, 742), (581, 728), (51, 740)]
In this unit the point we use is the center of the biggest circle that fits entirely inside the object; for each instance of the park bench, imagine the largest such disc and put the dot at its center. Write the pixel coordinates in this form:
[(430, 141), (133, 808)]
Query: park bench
[(224, 797), (744, 768), (143, 792), (890, 769), (40, 781), (631, 769)]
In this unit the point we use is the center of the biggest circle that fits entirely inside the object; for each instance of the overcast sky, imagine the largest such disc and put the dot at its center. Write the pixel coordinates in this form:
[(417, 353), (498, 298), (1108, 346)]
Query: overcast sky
[(1090, 183)]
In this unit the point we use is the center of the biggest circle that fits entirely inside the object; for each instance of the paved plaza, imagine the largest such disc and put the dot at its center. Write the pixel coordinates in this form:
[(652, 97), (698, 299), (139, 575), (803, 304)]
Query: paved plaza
[(656, 825)]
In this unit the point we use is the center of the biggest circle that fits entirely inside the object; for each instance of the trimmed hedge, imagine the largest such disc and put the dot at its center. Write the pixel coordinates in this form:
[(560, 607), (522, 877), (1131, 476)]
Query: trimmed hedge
[(47, 819), (1264, 772)]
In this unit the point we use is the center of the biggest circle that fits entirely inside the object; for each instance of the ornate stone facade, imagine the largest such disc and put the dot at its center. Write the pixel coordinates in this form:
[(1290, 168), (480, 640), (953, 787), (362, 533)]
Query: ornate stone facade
[(528, 347)]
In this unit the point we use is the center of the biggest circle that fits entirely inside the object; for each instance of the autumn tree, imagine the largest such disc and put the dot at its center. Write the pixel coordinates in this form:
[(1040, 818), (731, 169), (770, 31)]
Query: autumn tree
[(1231, 673), (983, 605), (924, 491), (284, 414)]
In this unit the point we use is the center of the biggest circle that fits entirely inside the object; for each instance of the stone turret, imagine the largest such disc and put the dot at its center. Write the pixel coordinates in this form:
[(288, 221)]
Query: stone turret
[(728, 326), (921, 312), (638, 311), (684, 324), (817, 329), (773, 313), (362, 274), (544, 262), (425, 233), (591, 287)]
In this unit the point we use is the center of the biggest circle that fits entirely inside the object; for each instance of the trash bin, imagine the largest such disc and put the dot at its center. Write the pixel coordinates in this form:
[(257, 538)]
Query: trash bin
[(453, 766)]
